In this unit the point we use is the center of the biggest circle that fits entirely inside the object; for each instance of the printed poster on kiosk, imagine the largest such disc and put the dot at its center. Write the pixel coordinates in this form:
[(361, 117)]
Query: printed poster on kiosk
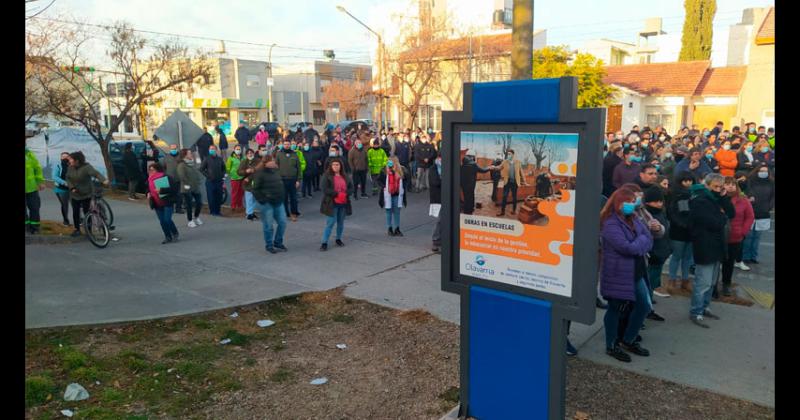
[(518, 208)]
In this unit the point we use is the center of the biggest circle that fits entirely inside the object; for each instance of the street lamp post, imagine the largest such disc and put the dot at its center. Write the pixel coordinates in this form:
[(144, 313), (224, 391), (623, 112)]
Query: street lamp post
[(381, 52), (269, 85)]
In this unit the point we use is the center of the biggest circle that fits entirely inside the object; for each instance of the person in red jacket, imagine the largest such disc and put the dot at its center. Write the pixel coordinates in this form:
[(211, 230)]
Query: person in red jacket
[(741, 223), (726, 159)]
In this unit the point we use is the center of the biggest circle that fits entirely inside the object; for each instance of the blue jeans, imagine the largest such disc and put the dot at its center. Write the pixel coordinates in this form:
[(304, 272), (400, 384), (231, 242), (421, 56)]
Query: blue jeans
[(702, 287), (164, 215), (750, 245), (270, 212), (681, 254), (339, 211), (617, 309), (393, 212), (214, 194), (249, 202)]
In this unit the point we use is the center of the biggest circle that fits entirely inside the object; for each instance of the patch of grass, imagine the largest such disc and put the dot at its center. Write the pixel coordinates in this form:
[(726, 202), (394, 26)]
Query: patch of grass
[(192, 371), (237, 339), (37, 388), (451, 395), (278, 347), (72, 358), (201, 353), (98, 413), (344, 318), (135, 417), (250, 361), (134, 361), (87, 374), (202, 324), (112, 395), (131, 337), (281, 375)]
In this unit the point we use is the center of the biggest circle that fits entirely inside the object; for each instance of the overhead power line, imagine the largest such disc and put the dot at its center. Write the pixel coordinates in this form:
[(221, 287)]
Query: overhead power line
[(41, 11)]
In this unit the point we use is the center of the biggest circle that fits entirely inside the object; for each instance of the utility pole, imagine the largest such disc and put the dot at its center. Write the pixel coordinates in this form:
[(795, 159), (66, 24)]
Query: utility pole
[(269, 85), (522, 40)]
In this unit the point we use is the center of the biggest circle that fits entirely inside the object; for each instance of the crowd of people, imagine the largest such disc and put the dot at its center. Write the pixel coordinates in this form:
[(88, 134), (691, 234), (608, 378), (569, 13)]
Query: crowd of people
[(696, 201)]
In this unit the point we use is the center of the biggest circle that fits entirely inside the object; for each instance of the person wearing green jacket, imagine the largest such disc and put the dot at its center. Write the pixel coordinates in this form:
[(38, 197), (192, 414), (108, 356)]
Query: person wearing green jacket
[(377, 160), (190, 179), (34, 182), (290, 171), (232, 168), (80, 176)]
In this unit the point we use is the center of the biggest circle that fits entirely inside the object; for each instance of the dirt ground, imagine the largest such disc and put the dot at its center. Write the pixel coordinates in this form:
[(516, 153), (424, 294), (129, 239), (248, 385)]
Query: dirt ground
[(397, 365)]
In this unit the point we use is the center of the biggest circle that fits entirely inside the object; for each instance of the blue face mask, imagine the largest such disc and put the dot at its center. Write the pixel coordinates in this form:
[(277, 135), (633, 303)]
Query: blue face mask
[(764, 149), (280, 146), (628, 208), (173, 152), (306, 148), (658, 167), (212, 152), (390, 164), (749, 149), (360, 146), (709, 156), (636, 159), (294, 147), (638, 202)]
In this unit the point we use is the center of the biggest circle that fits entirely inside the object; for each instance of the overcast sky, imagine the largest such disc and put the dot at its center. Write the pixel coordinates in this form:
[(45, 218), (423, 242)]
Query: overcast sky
[(317, 24)]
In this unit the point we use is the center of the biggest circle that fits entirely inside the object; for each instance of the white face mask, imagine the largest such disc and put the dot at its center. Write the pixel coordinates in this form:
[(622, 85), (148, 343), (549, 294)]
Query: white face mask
[(727, 147), (763, 175)]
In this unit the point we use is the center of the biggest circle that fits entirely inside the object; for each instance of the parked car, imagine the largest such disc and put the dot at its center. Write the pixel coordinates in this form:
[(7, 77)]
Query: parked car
[(355, 125), (302, 125), (274, 129), (115, 151)]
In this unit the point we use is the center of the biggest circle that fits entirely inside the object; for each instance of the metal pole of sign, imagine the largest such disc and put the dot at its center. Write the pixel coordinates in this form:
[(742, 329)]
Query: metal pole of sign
[(180, 134)]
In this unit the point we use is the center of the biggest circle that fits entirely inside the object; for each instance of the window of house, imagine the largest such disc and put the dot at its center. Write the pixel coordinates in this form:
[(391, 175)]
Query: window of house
[(319, 117), (212, 115), (127, 124), (656, 118)]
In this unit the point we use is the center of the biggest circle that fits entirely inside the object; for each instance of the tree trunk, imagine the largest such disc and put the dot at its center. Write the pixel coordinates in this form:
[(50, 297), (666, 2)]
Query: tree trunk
[(107, 160)]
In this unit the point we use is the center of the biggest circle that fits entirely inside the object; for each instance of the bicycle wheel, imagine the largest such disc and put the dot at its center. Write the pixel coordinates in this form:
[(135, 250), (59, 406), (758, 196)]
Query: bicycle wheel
[(96, 230), (105, 211)]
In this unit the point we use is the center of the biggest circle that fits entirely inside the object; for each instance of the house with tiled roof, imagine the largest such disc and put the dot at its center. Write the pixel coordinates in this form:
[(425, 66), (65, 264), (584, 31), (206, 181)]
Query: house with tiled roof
[(757, 99), (673, 95)]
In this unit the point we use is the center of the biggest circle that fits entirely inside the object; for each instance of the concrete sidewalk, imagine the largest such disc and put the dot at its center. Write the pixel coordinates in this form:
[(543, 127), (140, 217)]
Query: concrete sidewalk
[(223, 264)]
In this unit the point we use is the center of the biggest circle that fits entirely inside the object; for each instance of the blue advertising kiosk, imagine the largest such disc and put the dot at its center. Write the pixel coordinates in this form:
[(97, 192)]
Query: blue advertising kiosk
[(523, 274)]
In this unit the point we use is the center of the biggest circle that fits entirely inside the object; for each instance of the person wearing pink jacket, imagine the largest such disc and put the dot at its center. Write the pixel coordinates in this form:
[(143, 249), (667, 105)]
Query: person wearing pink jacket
[(741, 223), (262, 136)]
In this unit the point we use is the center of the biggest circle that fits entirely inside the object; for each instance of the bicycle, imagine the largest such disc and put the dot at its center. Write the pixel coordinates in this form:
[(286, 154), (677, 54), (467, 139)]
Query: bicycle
[(94, 223)]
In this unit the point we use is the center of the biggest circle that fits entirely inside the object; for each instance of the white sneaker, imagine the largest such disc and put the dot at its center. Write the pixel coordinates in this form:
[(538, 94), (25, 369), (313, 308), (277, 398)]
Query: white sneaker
[(740, 265), (192, 224), (659, 294), (197, 221)]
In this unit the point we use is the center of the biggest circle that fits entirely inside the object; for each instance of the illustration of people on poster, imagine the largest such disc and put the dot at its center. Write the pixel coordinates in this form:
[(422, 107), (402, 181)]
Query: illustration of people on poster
[(518, 208)]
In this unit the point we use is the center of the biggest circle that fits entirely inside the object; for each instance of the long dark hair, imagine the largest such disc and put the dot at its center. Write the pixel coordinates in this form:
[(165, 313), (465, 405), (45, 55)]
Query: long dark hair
[(79, 157), (330, 172)]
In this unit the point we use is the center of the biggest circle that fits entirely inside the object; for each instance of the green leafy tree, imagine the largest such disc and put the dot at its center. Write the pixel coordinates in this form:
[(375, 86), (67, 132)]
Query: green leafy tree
[(697, 30), (554, 62)]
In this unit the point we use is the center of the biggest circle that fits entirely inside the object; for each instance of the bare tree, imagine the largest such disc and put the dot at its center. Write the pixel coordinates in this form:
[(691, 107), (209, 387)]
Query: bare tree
[(349, 96), (539, 148), (71, 90)]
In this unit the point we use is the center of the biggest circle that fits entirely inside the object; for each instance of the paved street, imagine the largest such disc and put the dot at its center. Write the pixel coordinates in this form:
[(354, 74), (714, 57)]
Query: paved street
[(223, 264)]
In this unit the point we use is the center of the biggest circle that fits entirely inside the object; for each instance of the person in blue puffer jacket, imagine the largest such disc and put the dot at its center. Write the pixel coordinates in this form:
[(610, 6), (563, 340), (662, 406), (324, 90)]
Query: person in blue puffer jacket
[(61, 189)]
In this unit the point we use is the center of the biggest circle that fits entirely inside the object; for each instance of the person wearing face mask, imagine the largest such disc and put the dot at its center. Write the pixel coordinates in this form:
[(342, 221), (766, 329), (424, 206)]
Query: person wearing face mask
[(213, 168), (318, 153), (436, 198), (232, 169), (513, 176), (610, 162), (667, 162), (710, 210), (377, 160), (222, 142), (626, 240), (751, 132), (761, 193), (386, 146), (359, 163), (242, 135), (654, 204), (771, 137), (646, 146), (247, 168), (746, 160), (627, 170), (262, 136), (203, 144), (170, 165), (741, 223), (709, 160), (679, 230), (764, 154), (290, 171), (402, 150), (131, 165), (424, 154), (190, 178), (310, 157), (61, 189), (694, 163), (726, 159), (301, 156), (393, 197)]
